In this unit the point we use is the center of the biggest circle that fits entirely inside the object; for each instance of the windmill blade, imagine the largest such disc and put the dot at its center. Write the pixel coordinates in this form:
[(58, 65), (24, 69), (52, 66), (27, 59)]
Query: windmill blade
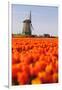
[(30, 15), (32, 27)]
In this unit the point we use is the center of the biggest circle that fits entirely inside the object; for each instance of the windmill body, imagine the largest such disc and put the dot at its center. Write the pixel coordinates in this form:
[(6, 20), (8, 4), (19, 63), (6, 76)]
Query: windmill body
[(27, 26)]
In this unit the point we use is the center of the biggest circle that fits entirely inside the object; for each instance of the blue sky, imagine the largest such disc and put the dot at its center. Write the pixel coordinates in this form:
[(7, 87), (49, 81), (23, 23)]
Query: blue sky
[(44, 18)]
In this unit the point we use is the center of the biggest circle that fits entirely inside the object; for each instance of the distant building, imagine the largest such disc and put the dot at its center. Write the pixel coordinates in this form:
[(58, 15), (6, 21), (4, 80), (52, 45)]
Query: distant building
[(46, 35)]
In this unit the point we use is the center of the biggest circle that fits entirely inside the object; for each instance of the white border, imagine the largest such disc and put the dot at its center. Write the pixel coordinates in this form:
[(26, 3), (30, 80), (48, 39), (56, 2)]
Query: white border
[(9, 42), (43, 86)]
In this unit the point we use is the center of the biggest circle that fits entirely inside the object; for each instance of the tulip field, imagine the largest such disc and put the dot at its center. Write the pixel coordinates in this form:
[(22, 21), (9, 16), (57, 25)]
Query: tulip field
[(34, 60)]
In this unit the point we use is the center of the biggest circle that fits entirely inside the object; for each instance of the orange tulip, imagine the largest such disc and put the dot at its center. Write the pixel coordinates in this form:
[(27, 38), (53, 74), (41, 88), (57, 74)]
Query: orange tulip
[(34, 60)]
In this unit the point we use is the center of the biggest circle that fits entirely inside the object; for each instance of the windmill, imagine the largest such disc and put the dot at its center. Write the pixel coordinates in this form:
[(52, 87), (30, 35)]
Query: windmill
[(27, 26)]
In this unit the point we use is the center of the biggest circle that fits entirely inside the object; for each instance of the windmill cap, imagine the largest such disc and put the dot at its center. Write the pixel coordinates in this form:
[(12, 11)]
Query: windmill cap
[(27, 21), (27, 18)]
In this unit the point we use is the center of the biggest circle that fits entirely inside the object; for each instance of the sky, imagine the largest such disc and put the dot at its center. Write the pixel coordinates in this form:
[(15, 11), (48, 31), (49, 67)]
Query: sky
[(44, 18)]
